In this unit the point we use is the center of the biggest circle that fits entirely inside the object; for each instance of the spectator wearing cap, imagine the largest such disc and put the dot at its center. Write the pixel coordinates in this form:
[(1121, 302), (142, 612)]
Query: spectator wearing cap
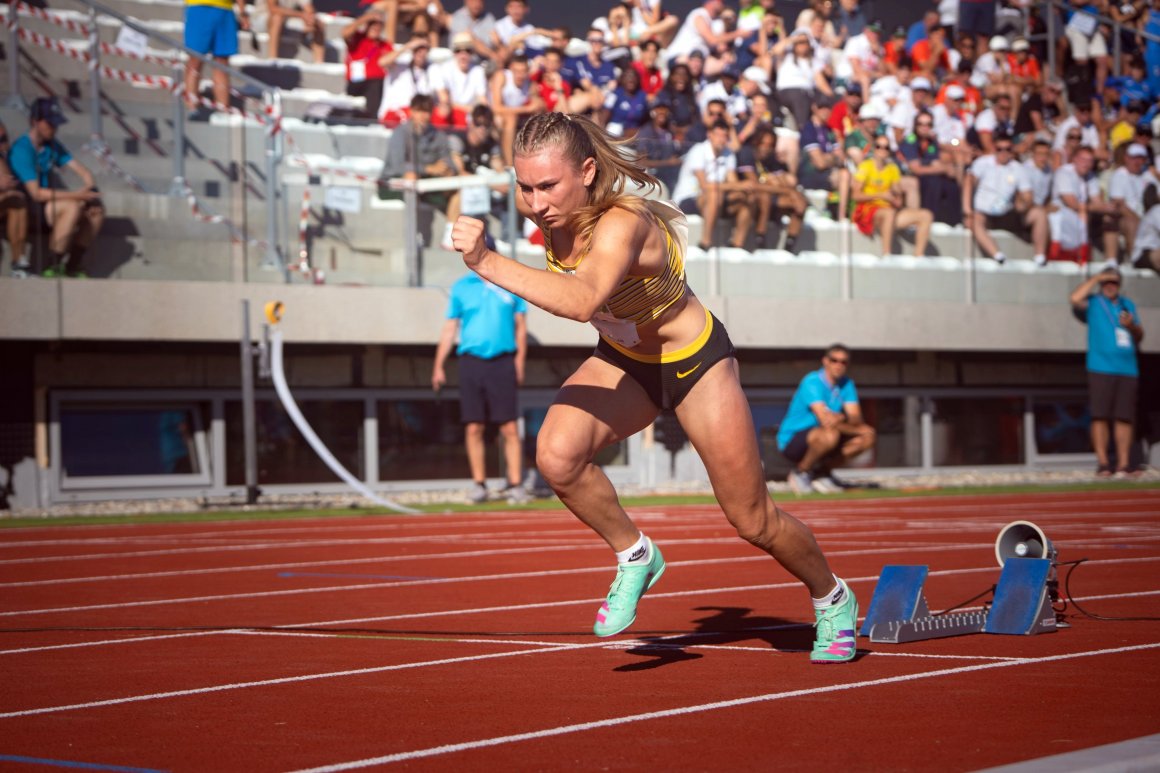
[(473, 18), (952, 122), (992, 73), (1079, 122), (864, 133), (998, 195), (460, 84), (972, 100), (407, 76), (657, 146), (1114, 335), (13, 210), (1041, 112), (366, 52), (844, 116), (74, 216), (929, 55), (863, 57), (797, 79), (211, 29), (894, 50), (1026, 74), (1126, 192), (995, 120), (901, 118)]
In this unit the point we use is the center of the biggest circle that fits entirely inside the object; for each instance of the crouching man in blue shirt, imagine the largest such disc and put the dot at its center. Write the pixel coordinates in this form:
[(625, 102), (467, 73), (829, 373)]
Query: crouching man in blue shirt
[(1114, 334), (824, 427)]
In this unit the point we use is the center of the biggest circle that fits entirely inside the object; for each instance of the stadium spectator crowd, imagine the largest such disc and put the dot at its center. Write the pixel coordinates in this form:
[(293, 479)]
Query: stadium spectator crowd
[(953, 119)]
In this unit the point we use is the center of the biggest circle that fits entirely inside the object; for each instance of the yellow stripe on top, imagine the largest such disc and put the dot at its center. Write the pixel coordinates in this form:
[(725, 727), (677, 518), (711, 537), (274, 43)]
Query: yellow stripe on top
[(638, 299), (224, 4), (688, 350)]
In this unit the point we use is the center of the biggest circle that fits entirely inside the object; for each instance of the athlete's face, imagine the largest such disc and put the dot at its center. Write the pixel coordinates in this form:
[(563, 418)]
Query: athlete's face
[(551, 187)]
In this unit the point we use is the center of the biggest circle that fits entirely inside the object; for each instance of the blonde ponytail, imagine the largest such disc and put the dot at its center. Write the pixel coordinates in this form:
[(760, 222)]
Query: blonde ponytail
[(578, 138)]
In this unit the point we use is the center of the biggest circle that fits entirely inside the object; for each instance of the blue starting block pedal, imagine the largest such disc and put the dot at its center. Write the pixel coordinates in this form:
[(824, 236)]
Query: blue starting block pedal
[(1022, 603), (899, 613)]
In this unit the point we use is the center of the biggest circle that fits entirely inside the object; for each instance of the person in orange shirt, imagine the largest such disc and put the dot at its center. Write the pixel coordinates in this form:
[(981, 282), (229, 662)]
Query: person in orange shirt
[(844, 118), (1026, 75), (894, 50), (929, 55), (972, 99)]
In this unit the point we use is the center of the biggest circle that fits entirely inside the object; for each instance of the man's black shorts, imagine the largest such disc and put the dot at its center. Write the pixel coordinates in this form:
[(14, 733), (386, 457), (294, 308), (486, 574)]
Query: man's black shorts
[(797, 446), (487, 389), (1113, 397), (1011, 221)]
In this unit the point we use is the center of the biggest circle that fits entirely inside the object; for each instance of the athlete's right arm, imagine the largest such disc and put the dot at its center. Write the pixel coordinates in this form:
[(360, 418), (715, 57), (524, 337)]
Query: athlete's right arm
[(617, 239)]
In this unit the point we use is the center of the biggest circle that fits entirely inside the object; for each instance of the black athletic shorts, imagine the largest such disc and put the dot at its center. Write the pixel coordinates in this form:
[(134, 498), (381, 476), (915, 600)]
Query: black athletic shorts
[(487, 389), (667, 383), (797, 446), (1113, 397)]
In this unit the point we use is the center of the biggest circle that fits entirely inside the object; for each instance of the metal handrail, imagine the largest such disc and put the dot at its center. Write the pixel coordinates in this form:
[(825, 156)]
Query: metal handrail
[(271, 98), (1116, 28)]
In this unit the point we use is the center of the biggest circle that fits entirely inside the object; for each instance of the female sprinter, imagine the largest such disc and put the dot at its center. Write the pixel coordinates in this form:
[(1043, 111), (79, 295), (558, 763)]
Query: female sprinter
[(617, 260)]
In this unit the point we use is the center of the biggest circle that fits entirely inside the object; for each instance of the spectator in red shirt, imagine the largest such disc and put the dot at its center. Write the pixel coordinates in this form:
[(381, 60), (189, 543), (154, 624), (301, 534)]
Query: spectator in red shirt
[(929, 55), (651, 79), (894, 50), (844, 117), (554, 89), (972, 100), (1026, 75), (366, 49)]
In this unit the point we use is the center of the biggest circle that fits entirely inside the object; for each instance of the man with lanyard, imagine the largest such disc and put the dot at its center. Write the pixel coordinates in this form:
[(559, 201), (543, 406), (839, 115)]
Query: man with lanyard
[(823, 426), (1114, 335), (493, 342), (74, 216)]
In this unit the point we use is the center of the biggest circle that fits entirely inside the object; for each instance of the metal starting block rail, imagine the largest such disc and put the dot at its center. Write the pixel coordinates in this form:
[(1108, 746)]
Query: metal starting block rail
[(899, 613)]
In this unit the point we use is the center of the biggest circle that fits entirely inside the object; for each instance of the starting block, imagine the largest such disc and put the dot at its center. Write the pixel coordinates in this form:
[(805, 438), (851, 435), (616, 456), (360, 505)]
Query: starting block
[(899, 613)]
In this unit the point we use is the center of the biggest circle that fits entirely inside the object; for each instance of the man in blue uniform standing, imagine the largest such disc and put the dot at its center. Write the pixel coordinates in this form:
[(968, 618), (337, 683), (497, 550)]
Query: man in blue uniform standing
[(1114, 334), (492, 327), (824, 427)]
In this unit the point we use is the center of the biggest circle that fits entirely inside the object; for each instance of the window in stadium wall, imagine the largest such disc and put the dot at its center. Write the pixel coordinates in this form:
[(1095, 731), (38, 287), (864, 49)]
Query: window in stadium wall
[(977, 431), (1062, 426), (423, 440), (124, 440), (284, 456)]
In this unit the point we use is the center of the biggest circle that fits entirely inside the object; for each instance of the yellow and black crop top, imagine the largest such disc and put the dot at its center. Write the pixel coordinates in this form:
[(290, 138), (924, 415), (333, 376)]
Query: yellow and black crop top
[(641, 299)]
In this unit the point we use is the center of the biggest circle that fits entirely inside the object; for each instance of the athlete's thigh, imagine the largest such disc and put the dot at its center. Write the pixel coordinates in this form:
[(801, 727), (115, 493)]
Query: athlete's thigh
[(598, 405), (716, 417)]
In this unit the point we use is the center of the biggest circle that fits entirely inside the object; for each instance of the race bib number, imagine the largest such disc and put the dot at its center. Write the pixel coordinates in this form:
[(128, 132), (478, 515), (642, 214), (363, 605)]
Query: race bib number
[(1123, 338), (620, 331), (475, 200), (358, 71)]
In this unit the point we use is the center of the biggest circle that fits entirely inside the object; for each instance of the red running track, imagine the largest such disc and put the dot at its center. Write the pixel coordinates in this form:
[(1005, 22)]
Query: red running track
[(462, 642)]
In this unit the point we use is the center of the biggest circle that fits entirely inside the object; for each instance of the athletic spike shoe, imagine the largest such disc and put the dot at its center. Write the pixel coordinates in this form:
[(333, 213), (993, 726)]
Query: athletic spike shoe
[(632, 580), (837, 627)]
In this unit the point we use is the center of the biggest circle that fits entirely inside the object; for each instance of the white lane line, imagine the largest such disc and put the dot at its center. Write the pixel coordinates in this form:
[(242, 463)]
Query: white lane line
[(126, 640), (431, 581), (387, 636), (581, 727)]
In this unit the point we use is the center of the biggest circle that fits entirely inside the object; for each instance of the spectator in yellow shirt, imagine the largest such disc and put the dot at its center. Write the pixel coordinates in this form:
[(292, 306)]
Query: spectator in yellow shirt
[(878, 201)]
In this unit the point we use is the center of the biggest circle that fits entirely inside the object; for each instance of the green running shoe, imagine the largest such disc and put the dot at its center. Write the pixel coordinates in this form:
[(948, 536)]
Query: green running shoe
[(632, 580), (835, 642)]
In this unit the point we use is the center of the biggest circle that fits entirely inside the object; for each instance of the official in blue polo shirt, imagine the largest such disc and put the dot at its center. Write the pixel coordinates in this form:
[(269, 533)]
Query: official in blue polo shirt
[(1114, 336), (492, 327), (824, 427)]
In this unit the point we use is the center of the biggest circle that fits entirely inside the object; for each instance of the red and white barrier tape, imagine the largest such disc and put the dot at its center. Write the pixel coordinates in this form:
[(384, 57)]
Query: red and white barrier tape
[(150, 81), (98, 147), (52, 18), (36, 39), (112, 50)]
